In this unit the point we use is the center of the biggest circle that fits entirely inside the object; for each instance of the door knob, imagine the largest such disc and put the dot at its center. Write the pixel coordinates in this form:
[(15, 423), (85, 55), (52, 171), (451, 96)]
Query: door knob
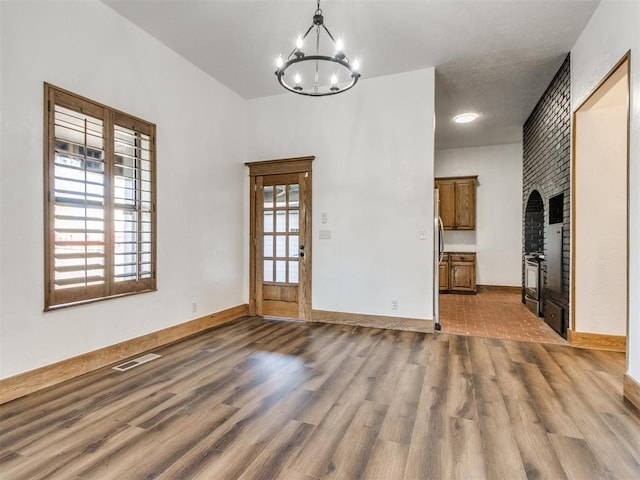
[(301, 251)]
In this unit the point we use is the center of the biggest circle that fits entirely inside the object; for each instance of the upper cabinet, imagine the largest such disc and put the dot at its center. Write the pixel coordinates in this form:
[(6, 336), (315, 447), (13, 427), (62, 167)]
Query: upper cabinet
[(457, 202)]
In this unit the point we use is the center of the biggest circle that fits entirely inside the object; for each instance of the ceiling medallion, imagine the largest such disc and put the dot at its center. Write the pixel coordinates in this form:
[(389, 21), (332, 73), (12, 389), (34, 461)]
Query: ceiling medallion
[(317, 75)]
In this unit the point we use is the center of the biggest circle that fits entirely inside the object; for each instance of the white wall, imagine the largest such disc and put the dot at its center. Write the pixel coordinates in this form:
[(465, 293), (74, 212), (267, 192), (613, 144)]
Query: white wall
[(611, 32), (600, 260), (373, 176), (497, 239), (87, 48)]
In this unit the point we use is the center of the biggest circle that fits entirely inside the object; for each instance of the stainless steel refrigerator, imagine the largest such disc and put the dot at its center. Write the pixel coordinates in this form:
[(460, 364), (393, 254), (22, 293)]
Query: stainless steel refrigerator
[(438, 250)]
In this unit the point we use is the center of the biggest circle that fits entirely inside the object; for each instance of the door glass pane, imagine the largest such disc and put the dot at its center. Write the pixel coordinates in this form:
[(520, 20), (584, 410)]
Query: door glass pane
[(293, 272), (281, 240), (268, 271), (294, 195), (268, 196), (281, 244), (281, 196), (268, 221), (281, 271), (293, 221), (293, 246), (281, 221), (268, 246)]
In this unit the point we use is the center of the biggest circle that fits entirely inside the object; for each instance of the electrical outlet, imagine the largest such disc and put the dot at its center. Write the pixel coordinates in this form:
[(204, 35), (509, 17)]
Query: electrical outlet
[(194, 307), (394, 304)]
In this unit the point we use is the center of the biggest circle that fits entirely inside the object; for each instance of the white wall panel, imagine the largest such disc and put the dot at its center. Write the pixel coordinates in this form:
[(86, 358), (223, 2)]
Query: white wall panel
[(89, 49), (373, 177)]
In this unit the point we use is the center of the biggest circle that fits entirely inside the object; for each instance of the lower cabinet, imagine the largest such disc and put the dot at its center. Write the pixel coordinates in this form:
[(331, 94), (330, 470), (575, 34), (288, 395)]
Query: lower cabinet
[(461, 273), (443, 273)]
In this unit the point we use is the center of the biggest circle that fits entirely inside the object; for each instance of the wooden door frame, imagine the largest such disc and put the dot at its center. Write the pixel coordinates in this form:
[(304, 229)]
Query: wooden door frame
[(279, 167), (595, 340)]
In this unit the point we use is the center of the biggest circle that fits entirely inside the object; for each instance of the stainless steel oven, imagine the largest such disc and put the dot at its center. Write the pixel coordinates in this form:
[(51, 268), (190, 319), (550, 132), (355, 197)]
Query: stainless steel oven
[(533, 282)]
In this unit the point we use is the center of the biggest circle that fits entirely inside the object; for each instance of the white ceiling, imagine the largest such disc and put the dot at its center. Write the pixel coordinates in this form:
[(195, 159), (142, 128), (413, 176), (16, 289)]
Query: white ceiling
[(495, 58)]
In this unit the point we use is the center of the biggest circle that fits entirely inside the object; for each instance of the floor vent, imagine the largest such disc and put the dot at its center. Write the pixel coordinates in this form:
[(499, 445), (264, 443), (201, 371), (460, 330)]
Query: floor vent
[(136, 361)]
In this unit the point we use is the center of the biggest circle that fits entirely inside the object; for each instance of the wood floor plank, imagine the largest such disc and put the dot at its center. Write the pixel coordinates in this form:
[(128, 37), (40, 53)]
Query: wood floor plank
[(611, 454), (264, 399), (465, 453), (428, 451), (461, 401), (271, 462), (353, 453), (324, 398), (315, 457), (480, 358), (624, 427), (537, 453), (554, 416), (500, 459), (388, 461), (577, 459), (507, 375), (401, 415)]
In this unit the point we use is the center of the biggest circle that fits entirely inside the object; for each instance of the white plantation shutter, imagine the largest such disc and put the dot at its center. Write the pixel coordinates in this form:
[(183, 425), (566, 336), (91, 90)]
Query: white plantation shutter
[(132, 208), (100, 239)]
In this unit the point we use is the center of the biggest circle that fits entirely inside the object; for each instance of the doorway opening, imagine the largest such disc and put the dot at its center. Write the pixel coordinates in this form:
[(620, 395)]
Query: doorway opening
[(600, 216)]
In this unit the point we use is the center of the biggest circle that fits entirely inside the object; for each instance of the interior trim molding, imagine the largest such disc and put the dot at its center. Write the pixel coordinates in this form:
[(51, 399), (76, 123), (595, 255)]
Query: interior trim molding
[(597, 341), (28, 382), (631, 391), (374, 321), (500, 288)]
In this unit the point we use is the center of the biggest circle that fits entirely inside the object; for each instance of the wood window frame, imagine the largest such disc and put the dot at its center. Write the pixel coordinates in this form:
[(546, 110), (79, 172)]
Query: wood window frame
[(144, 209)]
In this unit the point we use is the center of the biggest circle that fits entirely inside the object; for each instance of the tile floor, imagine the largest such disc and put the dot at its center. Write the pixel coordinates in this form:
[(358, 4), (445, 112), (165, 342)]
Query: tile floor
[(494, 315)]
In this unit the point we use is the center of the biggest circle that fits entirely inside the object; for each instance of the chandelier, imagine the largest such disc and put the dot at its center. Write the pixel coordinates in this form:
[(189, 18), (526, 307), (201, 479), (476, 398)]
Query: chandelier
[(315, 74)]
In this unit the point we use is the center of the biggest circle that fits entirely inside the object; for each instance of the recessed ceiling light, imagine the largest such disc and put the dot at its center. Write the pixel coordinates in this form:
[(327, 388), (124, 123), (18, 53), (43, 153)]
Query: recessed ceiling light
[(465, 117)]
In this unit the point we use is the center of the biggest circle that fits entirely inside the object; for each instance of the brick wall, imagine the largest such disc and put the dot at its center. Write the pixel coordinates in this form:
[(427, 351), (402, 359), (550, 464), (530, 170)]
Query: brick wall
[(546, 138)]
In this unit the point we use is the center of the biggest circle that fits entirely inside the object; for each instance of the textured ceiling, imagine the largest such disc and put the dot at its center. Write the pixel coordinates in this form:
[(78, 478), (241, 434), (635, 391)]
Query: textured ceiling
[(492, 57)]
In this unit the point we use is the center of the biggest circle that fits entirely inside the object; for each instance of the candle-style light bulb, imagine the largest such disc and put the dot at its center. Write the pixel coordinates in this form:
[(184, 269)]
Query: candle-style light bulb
[(356, 65), (334, 83), (279, 61), (339, 50), (298, 51), (297, 79)]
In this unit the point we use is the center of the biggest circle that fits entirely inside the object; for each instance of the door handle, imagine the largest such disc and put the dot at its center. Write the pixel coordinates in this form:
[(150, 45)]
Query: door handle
[(301, 251), (440, 239)]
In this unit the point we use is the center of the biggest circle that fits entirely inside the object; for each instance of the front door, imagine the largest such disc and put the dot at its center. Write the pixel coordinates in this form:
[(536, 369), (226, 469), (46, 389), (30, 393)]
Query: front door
[(281, 238)]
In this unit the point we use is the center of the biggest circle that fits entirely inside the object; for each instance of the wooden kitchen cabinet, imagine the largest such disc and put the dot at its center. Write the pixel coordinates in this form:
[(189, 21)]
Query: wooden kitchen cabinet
[(461, 273), (457, 202), (443, 273)]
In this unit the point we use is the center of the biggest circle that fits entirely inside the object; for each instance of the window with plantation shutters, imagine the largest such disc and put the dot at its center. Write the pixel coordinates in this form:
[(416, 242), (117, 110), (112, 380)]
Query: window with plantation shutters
[(100, 201)]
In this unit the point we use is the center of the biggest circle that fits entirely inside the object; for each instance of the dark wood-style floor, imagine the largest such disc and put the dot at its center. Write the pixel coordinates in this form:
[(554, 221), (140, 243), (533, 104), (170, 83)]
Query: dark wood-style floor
[(267, 399)]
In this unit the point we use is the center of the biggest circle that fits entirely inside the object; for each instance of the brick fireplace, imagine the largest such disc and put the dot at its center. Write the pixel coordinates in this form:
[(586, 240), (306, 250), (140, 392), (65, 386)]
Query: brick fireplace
[(546, 140)]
